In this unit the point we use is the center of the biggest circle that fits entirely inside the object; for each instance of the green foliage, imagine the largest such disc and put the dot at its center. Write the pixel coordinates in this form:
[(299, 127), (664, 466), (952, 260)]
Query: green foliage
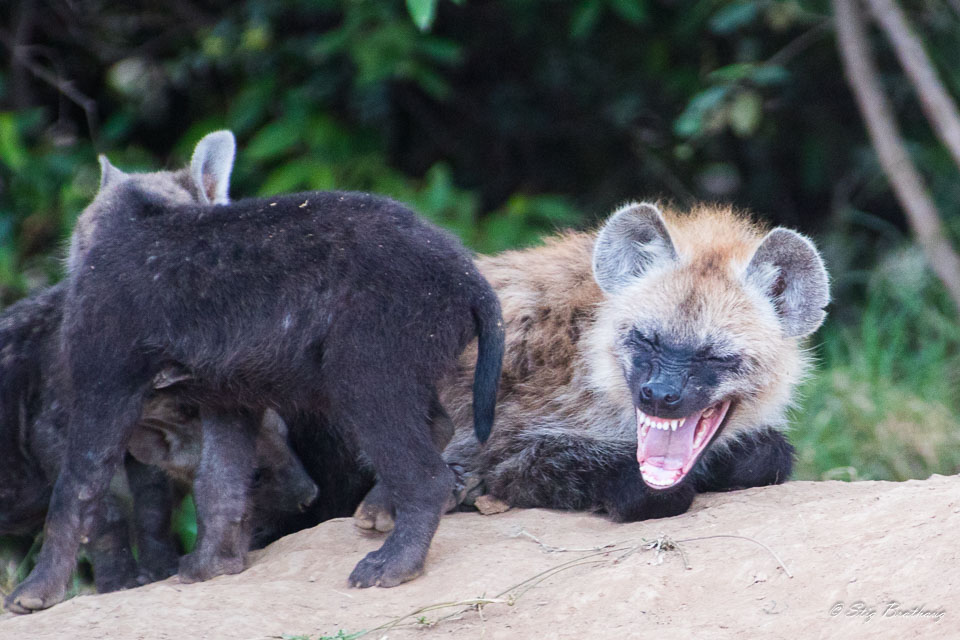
[(884, 403)]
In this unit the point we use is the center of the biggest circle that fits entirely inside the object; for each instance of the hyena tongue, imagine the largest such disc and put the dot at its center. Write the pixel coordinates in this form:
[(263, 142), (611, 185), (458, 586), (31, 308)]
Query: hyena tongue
[(664, 455)]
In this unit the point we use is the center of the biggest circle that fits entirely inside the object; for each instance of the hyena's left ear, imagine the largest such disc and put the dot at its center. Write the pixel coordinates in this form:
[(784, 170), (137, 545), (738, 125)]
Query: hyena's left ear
[(788, 269), (109, 174), (631, 241), (211, 165)]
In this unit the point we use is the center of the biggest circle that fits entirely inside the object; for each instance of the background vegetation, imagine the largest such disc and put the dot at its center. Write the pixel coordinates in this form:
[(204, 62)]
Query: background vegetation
[(504, 120)]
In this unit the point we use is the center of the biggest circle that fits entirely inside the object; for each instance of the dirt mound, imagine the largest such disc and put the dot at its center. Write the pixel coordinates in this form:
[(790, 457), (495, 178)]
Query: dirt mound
[(869, 559)]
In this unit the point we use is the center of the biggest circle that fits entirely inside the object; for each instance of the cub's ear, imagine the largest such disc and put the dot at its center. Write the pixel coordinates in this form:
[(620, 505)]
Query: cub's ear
[(631, 241), (169, 376), (109, 174), (788, 270), (273, 423), (211, 165)]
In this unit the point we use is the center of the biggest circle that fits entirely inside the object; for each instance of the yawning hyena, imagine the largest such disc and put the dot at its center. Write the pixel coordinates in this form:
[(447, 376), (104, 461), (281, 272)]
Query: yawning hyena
[(645, 362)]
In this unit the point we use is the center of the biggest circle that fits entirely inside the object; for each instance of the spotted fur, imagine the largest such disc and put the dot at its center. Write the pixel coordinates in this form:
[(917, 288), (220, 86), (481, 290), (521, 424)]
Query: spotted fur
[(566, 428)]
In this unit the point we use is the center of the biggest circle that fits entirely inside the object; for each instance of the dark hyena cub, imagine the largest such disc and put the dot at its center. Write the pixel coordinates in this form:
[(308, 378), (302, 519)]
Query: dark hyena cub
[(646, 362), (341, 305), (33, 427)]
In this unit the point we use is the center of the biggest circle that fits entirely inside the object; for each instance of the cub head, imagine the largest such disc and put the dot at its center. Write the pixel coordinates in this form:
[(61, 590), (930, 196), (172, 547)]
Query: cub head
[(701, 328), (205, 181)]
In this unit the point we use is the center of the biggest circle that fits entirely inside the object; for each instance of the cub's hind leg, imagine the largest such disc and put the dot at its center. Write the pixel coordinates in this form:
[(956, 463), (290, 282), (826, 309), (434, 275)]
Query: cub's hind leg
[(386, 413), (377, 510), (221, 490)]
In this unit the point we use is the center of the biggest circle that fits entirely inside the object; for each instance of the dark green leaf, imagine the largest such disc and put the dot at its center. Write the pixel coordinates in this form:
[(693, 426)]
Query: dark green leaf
[(733, 16), (12, 152), (423, 12), (584, 18), (731, 72), (275, 138), (745, 113), (769, 74), (633, 11)]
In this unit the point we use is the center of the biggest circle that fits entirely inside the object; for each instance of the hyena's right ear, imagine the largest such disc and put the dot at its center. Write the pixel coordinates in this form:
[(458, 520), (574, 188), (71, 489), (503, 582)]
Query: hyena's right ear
[(632, 240), (211, 165), (789, 271), (109, 174)]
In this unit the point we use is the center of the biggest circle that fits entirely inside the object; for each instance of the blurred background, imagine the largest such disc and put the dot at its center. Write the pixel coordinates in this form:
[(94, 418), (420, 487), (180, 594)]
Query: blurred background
[(504, 120)]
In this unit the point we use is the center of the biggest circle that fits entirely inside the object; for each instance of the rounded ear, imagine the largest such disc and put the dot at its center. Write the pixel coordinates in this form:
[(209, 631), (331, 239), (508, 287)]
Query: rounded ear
[(211, 165), (272, 422), (788, 270), (109, 174), (169, 376), (632, 240)]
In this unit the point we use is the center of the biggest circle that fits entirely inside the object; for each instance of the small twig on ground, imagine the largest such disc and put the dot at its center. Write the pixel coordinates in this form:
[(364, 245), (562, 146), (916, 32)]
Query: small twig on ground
[(749, 539), (551, 549)]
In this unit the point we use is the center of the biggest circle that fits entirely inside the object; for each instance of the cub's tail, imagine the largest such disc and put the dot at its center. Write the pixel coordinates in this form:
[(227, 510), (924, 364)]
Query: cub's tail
[(486, 376)]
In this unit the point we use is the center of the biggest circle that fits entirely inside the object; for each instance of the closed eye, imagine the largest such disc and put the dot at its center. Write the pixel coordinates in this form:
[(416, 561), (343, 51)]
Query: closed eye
[(641, 339), (729, 360)]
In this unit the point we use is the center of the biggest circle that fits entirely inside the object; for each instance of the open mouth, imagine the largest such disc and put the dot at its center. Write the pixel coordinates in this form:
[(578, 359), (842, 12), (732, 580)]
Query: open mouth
[(668, 449)]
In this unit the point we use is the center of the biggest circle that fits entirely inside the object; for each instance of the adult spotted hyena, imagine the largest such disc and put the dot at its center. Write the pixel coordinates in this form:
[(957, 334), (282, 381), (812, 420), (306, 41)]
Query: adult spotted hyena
[(646, 362)]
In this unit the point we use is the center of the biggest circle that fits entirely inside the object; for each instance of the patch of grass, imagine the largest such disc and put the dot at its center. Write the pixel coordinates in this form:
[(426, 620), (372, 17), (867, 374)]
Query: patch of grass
[(883, 404)]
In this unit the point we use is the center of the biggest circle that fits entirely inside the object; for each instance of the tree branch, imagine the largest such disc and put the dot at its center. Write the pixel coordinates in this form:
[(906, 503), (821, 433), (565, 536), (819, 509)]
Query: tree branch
[(907, 184), (21, 55), (934, 99)]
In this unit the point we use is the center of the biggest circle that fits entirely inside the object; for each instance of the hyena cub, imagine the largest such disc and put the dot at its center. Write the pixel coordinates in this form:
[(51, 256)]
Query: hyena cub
[(342, 306), (646, 362), (33, 425)]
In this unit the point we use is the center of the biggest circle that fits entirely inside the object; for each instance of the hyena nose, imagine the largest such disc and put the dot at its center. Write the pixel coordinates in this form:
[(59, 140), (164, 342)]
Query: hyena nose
[(660, 395), (308, 498)]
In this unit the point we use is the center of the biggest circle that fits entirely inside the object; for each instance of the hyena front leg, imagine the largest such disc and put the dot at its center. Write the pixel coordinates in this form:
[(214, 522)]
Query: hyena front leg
[(565, 470), (221, 489), (756, 459)]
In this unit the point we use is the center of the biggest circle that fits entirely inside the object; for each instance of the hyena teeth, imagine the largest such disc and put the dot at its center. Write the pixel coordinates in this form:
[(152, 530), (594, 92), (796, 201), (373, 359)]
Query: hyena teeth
[(698, 438), (708, 412)]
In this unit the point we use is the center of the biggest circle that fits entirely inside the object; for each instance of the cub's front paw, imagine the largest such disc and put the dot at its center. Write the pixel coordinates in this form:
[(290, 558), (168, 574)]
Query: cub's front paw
[(33, 594), (196, 567), (382, 569)]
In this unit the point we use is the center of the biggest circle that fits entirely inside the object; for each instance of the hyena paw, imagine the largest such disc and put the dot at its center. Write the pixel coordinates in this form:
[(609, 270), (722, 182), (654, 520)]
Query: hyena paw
[(467, 489), (34, 594), (119, 580), (160, 564), (380, 569), (629, 499), (376, 510), (196, 567)]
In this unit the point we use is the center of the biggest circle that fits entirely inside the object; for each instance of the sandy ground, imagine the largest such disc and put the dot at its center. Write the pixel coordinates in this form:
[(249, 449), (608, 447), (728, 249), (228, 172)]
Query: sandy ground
[(859, 554)]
